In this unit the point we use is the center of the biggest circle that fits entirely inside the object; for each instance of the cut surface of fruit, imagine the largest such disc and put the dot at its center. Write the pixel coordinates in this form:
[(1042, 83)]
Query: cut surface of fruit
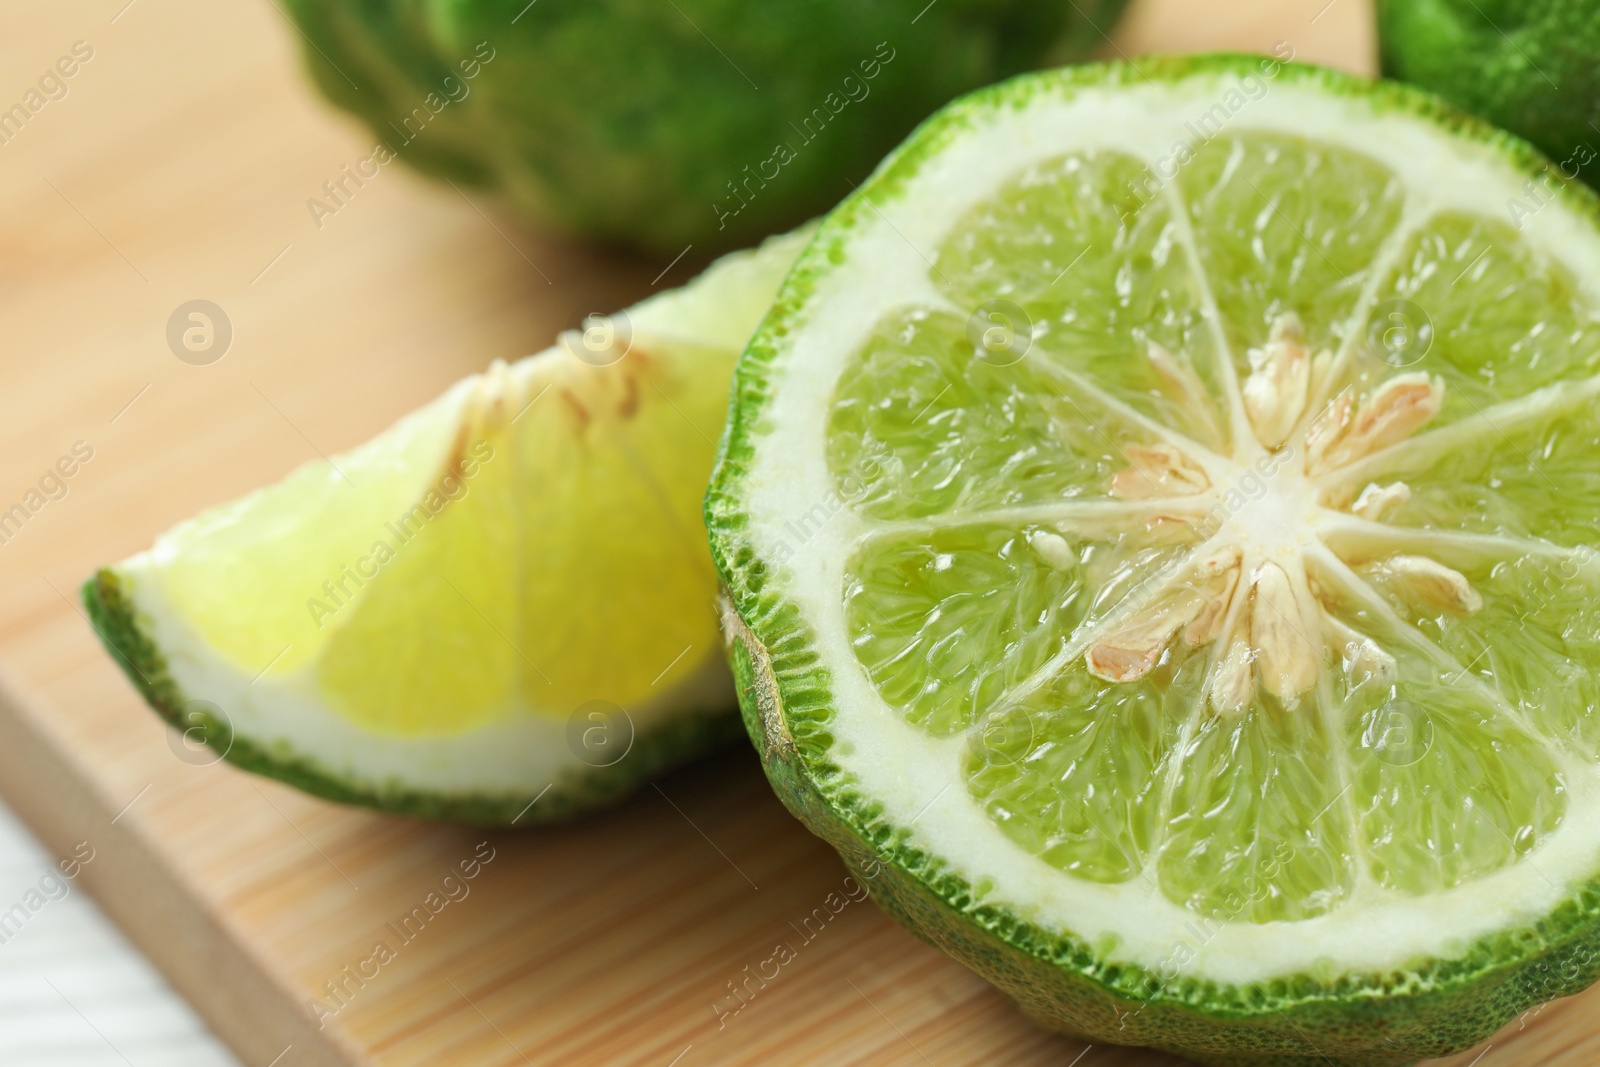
[(1158, 521), (505, 592)]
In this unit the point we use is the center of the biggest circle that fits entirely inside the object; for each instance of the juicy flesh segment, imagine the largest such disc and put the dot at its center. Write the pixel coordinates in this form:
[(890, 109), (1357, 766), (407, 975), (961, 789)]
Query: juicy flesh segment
[(1256, 564)]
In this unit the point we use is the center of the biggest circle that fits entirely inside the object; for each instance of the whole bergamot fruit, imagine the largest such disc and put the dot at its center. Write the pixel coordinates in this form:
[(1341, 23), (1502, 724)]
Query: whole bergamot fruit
[(660, 123), (1531, 66)]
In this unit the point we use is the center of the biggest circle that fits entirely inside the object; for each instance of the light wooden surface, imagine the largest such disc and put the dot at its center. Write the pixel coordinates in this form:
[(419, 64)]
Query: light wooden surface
[(177, 167)]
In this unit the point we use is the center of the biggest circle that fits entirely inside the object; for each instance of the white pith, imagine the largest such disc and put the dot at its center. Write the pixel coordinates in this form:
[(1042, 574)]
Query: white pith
[(521, 753), (918, 778)]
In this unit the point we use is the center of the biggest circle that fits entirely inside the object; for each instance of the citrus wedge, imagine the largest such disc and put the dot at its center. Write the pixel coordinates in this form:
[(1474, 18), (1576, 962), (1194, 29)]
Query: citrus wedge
[(1158, 521), (500, 609)]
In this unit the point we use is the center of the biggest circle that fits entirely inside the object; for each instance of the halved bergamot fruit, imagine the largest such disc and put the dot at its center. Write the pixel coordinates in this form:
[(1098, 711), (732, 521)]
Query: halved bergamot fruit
[(501, 609), (1158, 520)]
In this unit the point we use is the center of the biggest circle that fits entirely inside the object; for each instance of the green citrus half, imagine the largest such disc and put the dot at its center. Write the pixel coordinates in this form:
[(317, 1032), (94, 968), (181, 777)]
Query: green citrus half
[(1158, 521), (505, 593)]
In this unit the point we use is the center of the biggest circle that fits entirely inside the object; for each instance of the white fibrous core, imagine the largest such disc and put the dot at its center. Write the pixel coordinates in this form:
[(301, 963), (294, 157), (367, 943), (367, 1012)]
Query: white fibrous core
[(1249, 594)]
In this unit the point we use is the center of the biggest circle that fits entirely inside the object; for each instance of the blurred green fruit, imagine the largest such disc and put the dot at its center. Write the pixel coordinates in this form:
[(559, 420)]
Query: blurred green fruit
[(1531, 66), (657, 123)]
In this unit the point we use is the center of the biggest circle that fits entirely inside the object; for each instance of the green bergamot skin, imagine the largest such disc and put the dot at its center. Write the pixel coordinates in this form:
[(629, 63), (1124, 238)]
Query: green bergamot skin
[(1158, 525), (657, 125), (1529, 66)]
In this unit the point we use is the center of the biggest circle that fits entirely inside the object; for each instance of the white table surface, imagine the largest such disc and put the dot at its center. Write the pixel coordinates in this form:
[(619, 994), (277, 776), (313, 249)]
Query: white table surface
[(73, 991)]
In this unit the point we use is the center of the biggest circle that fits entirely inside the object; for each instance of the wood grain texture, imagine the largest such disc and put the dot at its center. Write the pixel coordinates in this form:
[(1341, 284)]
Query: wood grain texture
[(178, 167)]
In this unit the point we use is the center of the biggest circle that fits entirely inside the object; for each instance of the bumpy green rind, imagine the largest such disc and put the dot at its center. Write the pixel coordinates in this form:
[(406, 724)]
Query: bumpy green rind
[(673, 743), (1431, 1007), (659, 124), (1531, 66)]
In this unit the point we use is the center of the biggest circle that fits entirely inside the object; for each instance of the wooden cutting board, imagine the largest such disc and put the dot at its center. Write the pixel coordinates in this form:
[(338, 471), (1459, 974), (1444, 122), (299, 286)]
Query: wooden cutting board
[(177, 167)]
